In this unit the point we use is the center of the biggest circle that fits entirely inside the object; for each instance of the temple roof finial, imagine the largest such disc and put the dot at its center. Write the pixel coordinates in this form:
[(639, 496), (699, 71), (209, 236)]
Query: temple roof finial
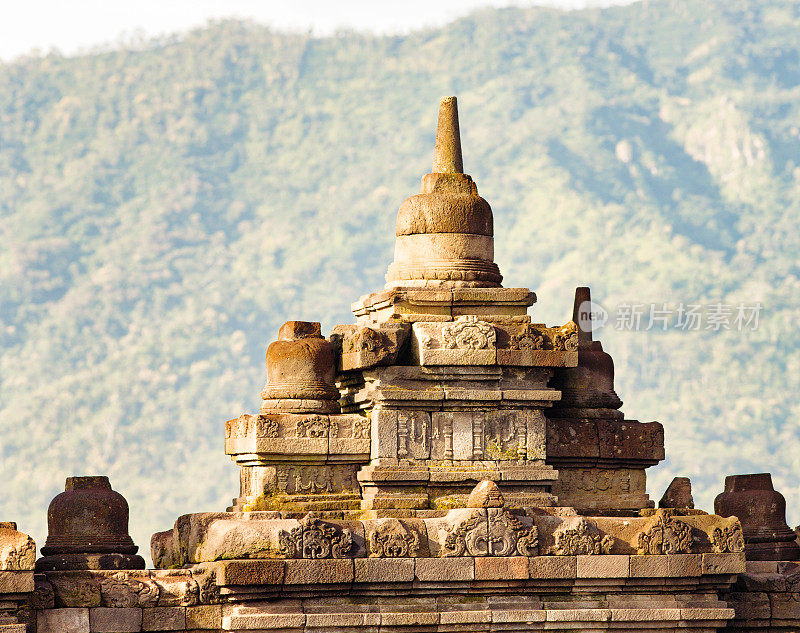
[(447, 153)]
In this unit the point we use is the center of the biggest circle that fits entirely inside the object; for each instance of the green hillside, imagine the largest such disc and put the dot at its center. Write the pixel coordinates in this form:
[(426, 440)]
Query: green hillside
[(164, 209)]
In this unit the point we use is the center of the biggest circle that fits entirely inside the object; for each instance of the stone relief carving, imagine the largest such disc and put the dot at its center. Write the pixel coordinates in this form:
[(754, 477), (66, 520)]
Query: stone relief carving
[(528, 339), (314, 479), (361, 426), (20, 556), (266, 427), (566, 338), (665, 535), (467, 332), (124, 590), (315, 538), (582, 537), (491, 532), (393, 539), (596, 480), (728, 539), (317, 426), (362, 339)]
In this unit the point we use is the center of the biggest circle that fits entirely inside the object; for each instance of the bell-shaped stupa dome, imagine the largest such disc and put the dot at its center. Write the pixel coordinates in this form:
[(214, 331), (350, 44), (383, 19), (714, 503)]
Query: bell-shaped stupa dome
[(445, 234)]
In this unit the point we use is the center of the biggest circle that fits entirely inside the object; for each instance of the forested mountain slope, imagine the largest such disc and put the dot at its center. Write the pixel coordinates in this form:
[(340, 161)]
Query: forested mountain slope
[(164, 208)]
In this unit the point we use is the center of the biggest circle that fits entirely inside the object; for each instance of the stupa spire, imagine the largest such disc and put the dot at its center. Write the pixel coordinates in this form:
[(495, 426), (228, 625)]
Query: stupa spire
[(445, 234), (447, 153)]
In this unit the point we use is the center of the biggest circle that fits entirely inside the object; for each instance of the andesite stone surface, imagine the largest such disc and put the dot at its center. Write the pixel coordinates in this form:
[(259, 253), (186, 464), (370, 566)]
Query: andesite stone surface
[(443, 464)]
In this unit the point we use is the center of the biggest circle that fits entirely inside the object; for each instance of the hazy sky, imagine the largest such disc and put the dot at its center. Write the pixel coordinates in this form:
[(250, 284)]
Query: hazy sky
[(72, 25)]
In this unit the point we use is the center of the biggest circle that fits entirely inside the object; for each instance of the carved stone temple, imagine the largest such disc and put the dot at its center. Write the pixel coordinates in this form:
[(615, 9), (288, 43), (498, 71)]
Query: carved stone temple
[(445, 464)]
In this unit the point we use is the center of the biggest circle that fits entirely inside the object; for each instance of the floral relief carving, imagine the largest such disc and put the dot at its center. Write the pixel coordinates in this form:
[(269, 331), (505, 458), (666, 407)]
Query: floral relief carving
[(467, 332), (122, 590), (317, 426), (317, 539), (491, 532), (393, 539), (566, 338), (528, 339), (266, 427), (582, 537), (666, 535), (20, 556), (728, 539)]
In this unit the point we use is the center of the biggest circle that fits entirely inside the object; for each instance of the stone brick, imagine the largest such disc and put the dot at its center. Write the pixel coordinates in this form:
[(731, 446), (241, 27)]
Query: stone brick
[(784, 606), (63, 621), (340, 620), (115, 620), (410, 618), (519, 615), (12, 628), (164, 619), (384, 569), (649, 566), (313, 572), (250, 572), (264, 621), (204, 617), (750, 605), (723, 563), (384, 433), (578, 615), (16, 581), (681, 565), (645, 615), (465, 617), (603, 566), (706, 613), (501, 568), (444, 569), (542, 567)]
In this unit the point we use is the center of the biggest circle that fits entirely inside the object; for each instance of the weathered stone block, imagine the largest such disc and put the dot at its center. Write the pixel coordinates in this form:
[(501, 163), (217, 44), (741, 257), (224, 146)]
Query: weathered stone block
[(111, 620), (723, 563), (444, 569), (649, 566), (384, 569), (501, 568), (204, 617), (544, 567), (578, 615), (410, 618), (16, 581), (384, 433), (603, 566), (753, 605), (685, 565), (250, 572), (164, 619), (312, 572), (264, 621), (63, 621), (529, 616)]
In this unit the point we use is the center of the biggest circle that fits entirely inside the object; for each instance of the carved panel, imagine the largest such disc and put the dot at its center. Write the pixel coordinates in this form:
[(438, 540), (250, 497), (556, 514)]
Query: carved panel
[(665, 535), (317, 539), (505, 435), (468, 332), (414, 434), (728, 539), (126, 590), (491, 532), (316, 479), (393, 538), (581, 537)]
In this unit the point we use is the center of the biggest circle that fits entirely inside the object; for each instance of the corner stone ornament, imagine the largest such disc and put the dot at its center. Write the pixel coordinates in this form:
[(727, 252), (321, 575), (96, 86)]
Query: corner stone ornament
[(316, 539), (728, 539), (666, 535), (467, 332), (582, 537), (393, 539)]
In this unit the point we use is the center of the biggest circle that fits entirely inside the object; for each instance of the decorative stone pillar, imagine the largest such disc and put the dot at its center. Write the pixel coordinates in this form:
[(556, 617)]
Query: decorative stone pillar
[(87, 528), (762, 512)]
